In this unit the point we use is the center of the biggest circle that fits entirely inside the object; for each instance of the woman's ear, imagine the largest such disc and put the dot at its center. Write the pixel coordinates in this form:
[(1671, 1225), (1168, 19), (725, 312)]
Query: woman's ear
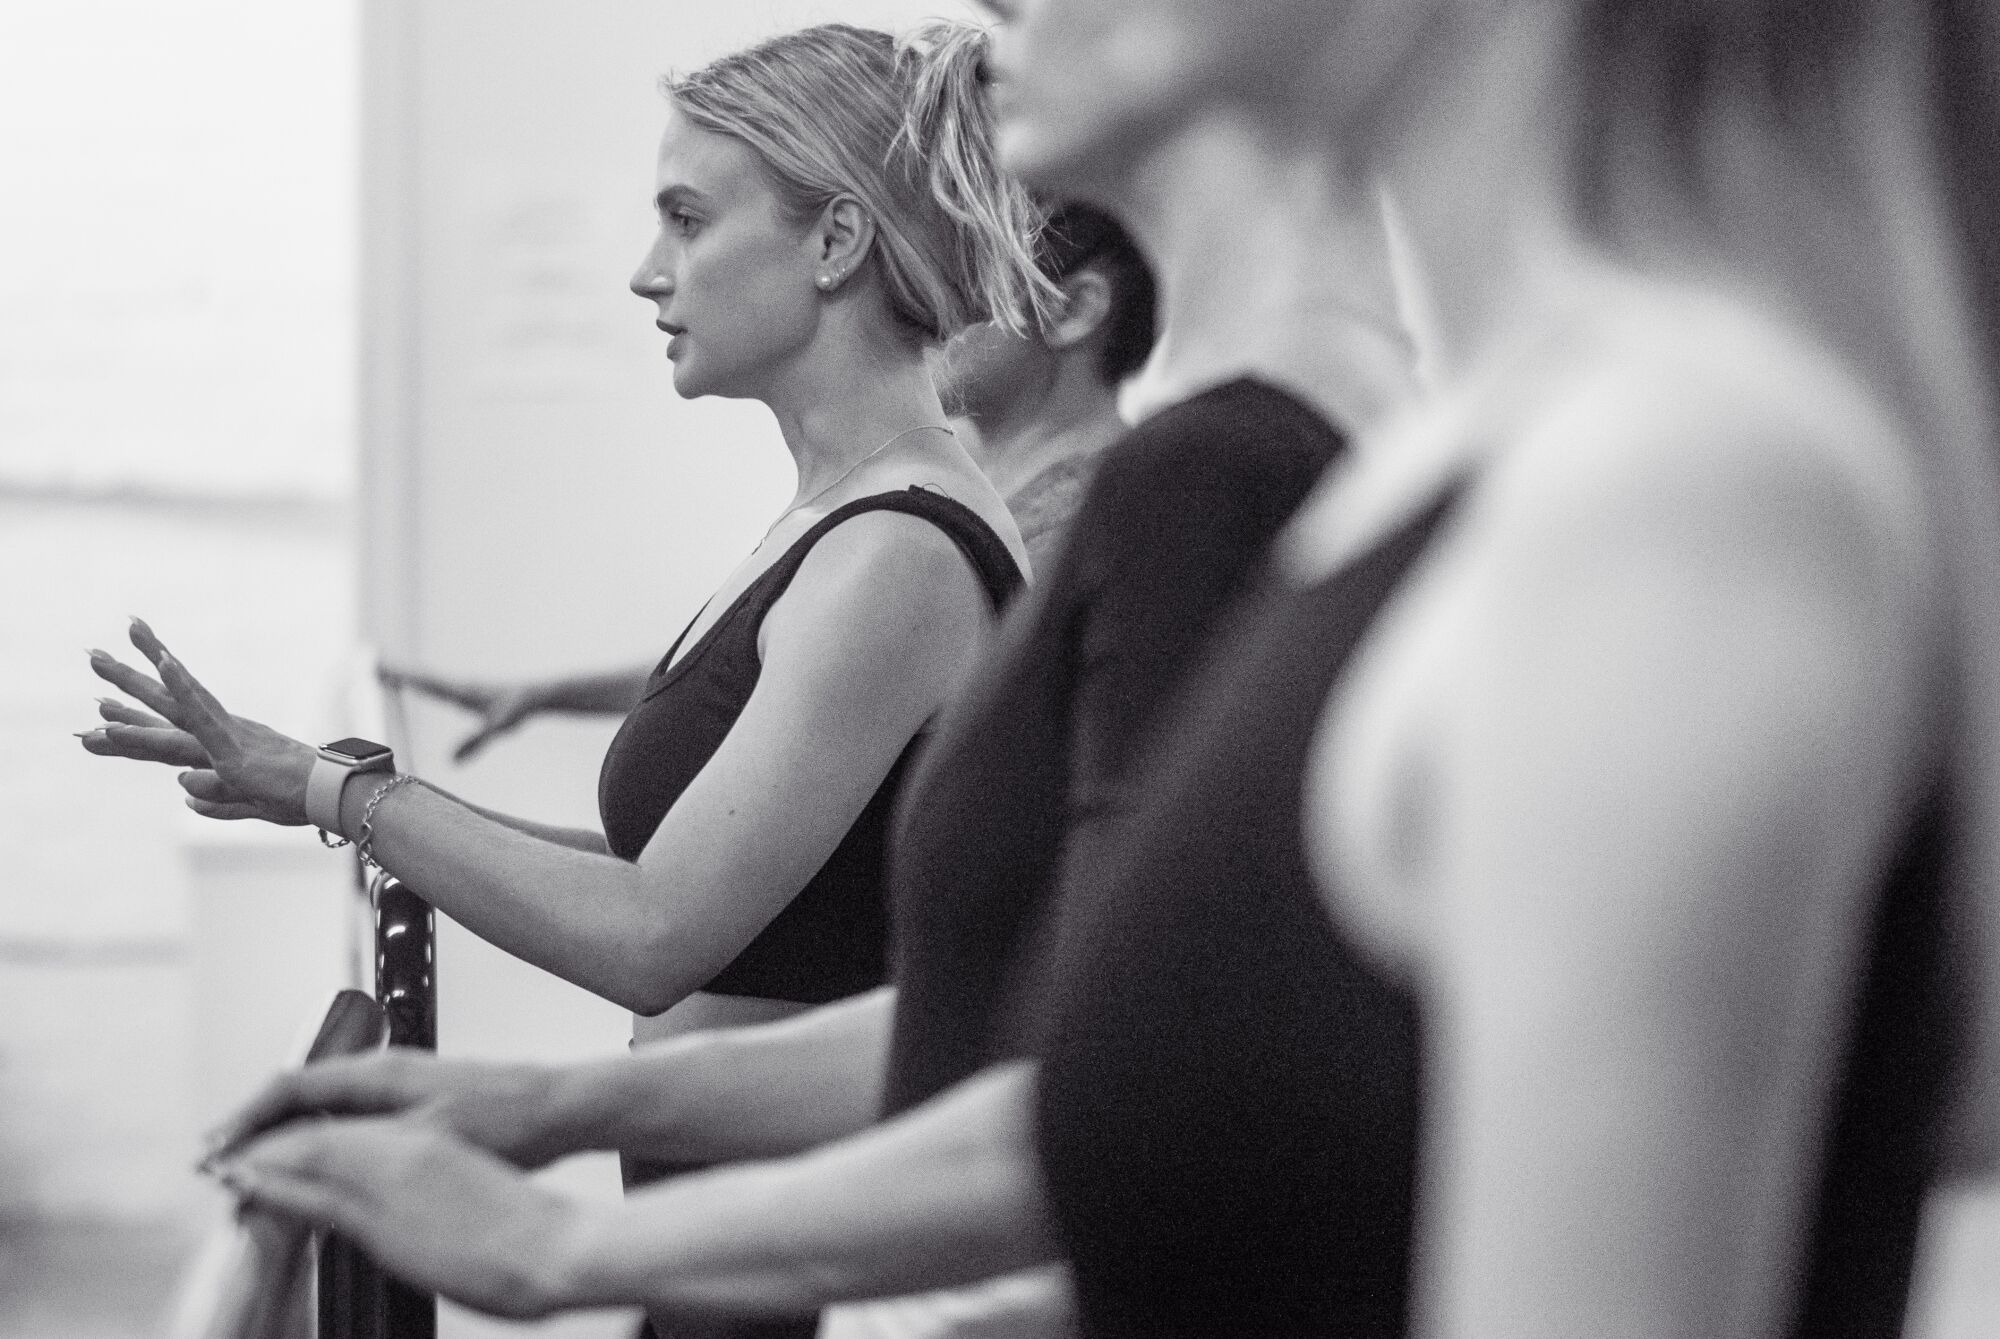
[(841, 240), (1085, 307)]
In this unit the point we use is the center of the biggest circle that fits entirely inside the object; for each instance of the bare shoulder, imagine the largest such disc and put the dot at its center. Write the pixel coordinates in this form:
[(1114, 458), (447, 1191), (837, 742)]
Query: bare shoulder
[(885, 572), (1713, 431), (1697, 536)]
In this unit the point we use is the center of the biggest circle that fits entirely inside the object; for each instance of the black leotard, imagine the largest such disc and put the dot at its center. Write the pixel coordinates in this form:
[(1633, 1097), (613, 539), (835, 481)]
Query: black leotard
[(1882, 1140), (1227, 1110), (1034, 754), (1228, 1098), (831, 940)]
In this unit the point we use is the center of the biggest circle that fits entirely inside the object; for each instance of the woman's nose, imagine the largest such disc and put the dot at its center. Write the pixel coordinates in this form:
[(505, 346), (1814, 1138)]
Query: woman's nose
[(650, 279)]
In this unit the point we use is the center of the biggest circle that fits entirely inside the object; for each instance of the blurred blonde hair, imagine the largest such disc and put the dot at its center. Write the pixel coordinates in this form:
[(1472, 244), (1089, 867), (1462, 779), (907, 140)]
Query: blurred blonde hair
[(903, 126), (1838, 157)]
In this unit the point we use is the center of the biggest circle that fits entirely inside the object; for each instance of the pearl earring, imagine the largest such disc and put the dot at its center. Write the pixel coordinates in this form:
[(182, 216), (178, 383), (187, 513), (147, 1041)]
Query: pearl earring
[(826, 281)]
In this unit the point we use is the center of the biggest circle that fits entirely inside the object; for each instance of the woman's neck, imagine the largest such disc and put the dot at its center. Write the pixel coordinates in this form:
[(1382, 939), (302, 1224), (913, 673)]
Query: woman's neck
[(852, 395), (1271, 264), (1474, 183)]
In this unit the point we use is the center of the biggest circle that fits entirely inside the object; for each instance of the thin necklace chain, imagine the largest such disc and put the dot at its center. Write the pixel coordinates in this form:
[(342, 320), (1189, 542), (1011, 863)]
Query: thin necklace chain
[(841, 478)]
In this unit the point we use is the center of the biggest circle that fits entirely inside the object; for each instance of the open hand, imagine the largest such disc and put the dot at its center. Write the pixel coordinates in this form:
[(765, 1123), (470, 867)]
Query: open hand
[(499, 707), (436, 1212), (240, 769), (506, 1109)]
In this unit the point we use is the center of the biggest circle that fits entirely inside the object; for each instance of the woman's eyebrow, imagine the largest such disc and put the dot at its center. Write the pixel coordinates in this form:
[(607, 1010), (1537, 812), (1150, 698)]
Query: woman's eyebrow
[(676, 194)]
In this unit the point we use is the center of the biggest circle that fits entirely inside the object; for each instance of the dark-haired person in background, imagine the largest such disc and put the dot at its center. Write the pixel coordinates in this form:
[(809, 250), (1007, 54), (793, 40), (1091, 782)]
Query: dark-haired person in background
[(1045, 404)]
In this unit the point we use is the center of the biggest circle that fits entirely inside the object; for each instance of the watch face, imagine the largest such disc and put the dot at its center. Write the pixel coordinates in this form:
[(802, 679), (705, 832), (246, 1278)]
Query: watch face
[(354, 749)]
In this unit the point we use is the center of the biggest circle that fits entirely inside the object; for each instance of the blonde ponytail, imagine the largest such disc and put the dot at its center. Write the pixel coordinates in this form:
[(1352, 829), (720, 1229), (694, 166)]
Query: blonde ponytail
[(947, 135), (903, 127)]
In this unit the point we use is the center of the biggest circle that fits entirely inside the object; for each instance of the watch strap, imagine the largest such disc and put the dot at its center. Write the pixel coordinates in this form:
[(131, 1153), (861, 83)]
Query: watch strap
[(327, 782), (323, 786)]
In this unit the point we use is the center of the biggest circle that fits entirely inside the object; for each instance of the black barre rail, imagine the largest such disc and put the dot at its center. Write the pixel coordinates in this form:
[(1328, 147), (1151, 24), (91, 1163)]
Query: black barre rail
[(357, 1300)]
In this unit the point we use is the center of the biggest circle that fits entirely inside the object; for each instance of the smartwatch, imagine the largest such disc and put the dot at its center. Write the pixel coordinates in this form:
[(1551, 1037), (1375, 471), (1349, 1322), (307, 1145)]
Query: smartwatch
[(336, 762)]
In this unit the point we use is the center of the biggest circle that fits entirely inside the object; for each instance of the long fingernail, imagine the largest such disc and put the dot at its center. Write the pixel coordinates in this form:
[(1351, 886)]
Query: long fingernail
[(109, 702), (89, 734), (95, 654)]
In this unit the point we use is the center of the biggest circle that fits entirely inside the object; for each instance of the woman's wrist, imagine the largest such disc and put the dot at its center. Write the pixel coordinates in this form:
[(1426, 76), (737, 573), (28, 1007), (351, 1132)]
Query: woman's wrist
[(573, 1273), (629, 1103), (584, 1105), (557, 1272), (709, 1243), (358, 795)]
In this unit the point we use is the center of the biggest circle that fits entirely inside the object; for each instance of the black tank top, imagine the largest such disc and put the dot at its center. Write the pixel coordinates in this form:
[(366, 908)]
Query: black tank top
[(1036, 754), (1228, 1104), (1228, 1101), (831, 940)]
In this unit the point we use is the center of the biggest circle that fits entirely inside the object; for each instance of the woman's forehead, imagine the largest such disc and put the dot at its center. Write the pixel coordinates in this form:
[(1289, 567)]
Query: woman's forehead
[(704, 161)]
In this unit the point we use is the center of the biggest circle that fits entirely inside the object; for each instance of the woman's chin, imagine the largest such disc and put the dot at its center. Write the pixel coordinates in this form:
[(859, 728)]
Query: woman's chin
[(689, 384)]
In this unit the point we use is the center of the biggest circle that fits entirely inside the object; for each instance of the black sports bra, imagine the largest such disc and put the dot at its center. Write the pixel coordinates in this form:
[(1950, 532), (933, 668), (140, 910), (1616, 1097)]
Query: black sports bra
[(831, 940)]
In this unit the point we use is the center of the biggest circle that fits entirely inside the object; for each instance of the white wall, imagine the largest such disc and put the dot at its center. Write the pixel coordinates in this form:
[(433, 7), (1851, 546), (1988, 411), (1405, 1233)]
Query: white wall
[(176, 287), (177, 337)]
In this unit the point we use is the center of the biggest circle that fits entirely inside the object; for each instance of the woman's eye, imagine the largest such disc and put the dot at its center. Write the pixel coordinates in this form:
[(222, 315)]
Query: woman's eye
[(682, 222)]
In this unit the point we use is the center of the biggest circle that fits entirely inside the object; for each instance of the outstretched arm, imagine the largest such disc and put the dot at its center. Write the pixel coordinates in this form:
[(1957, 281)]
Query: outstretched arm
[(944, 1194), (876, 628), (158, 739)]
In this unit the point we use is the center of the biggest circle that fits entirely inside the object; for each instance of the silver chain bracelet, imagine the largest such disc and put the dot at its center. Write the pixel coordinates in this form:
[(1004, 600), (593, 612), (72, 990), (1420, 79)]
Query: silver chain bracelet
[(365, 847)]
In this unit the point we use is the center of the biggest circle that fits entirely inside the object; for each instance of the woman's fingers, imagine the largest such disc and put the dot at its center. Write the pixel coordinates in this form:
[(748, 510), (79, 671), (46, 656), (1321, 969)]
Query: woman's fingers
[(176, 748), (205, 784), (145, 639), (212, 797), (111, 709), (196, 701), (231, 811), (444, 1216), (299, 1173), (310, 1202), (352, 1086), (134, 684)]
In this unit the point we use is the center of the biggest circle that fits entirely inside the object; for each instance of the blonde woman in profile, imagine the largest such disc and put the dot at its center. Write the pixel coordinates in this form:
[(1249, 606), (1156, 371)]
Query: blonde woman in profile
[(828, 210), (1041, 405)]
